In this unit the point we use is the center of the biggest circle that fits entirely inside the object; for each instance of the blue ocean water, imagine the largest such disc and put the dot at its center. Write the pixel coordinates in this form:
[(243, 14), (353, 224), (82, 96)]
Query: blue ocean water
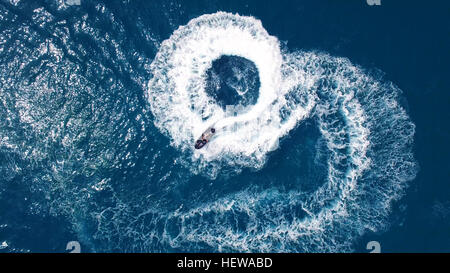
[(331, 120)]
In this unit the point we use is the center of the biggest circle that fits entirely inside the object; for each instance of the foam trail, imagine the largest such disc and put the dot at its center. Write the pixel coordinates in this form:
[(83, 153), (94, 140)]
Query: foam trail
[(177, 90), (122, 187), (347, 105)]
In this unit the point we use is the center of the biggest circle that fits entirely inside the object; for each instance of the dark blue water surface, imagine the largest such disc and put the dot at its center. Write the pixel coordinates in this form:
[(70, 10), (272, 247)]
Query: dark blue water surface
[(82, 160)]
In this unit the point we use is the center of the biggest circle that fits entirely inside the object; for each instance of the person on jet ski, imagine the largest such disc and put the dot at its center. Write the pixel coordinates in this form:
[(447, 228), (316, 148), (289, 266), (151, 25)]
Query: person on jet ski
[(204, 139), (206, 136)]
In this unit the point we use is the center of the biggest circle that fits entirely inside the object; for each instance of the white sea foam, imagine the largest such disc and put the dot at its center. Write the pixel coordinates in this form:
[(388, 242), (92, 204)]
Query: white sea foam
[(347, 104), (182, 108), (364, 147), (4, 245)]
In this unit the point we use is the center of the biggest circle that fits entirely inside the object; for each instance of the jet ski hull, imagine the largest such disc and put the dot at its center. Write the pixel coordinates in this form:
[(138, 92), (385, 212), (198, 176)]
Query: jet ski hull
[(205, 138), (199, 144)]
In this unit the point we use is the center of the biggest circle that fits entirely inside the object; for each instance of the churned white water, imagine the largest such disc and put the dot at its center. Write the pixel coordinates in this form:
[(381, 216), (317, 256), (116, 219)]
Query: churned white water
[(354, 112)]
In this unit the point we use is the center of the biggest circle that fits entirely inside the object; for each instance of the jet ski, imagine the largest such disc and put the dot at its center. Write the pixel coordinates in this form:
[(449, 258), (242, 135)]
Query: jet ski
[(205, 138)]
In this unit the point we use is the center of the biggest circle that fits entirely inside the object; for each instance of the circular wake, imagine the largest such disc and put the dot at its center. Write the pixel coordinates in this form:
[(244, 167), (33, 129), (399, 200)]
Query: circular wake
[(183, 109), (366, 134)]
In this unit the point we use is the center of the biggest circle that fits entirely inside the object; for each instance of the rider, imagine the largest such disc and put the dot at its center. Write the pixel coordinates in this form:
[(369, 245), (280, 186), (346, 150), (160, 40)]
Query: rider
[(203, 135)]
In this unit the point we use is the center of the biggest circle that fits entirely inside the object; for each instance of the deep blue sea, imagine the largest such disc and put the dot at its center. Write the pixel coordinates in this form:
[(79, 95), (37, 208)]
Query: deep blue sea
[(331, 123)]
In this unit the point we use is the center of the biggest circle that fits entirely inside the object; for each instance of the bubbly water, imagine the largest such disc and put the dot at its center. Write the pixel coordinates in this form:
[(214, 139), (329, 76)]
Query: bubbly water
[(100, 111)]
